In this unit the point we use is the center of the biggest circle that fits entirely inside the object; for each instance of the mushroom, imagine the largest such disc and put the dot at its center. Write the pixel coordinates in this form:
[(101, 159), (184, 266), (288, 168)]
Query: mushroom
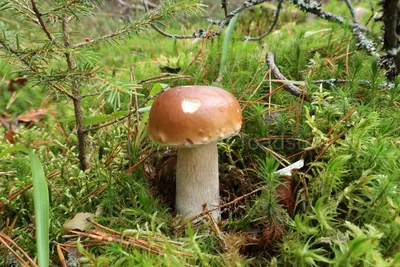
[(193, 118)]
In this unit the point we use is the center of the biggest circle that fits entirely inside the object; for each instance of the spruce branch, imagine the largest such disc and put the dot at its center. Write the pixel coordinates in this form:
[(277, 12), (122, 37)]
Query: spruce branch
[(201, 33), (165, 13), (61, 8), (41, 23), (222, 23), (35, 71), (22, 9)]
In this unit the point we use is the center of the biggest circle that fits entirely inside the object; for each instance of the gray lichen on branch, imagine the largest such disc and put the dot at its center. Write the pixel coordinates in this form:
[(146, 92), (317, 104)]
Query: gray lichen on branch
[(357, 29)]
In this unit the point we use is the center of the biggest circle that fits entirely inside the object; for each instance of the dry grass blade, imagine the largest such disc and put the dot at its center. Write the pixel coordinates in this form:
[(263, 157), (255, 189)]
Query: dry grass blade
[(19, 192), (131, 169), (117, 237), (99, 226), (4, 238), (164, 77), (219, 207), (215, 228), (61, 256)]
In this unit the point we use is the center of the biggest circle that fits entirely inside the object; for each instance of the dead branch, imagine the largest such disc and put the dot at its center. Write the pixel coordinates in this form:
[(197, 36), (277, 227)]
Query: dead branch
[(291, 88), (352, 11), (201, 33), (363, 41), (271, 27), (392, 27)]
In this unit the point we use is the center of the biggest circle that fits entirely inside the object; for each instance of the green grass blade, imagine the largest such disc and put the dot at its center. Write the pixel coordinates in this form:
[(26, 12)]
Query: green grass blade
[(41, 200), (15, 148), (227, 39)]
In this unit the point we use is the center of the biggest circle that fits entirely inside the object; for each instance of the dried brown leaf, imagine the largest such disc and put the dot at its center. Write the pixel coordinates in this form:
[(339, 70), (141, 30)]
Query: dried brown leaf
[(11, 127), (34, 115), (79, 222)]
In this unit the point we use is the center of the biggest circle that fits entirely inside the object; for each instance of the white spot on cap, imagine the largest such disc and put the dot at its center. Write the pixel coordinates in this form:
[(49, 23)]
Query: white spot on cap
[(190, 105)]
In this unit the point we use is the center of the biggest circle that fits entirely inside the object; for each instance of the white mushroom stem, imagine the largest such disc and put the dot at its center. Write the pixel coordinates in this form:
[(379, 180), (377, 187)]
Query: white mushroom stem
[(197, 180)]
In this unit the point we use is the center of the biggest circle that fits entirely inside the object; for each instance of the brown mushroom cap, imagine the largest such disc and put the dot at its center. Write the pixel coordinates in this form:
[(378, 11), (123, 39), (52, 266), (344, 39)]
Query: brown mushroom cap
[(194, 115)]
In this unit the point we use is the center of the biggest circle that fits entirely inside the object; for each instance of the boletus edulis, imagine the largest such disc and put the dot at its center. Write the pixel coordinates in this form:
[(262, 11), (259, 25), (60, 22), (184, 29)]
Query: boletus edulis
[(193, 118)]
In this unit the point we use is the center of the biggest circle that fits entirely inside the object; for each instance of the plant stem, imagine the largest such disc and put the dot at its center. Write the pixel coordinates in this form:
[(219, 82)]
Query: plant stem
[(77, 99)]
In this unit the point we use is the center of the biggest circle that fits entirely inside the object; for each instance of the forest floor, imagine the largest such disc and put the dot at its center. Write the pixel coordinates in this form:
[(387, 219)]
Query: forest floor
[(341, 209)]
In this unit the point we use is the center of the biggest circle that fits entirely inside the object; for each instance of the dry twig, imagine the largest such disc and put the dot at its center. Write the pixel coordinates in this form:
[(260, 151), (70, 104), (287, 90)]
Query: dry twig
[(271, 27), (291, 88), (204, 213)]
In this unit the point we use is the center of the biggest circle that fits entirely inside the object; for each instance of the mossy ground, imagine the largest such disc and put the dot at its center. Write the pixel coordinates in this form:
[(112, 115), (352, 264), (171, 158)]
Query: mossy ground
[(347, 199)]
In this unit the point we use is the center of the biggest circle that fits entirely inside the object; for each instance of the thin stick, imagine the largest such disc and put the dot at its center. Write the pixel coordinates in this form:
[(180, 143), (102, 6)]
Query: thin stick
[(291, 88), (347, 60), (137, 125), (164, 77), (227, 19), (153, 79), (351, 8), (32, 67), (131, 169), (132, 76), (110, 238), (222, 206), (54, 188), (270, 94), (20, 191), (2, 235), (275, 154), (224, 6), (271, 27)]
